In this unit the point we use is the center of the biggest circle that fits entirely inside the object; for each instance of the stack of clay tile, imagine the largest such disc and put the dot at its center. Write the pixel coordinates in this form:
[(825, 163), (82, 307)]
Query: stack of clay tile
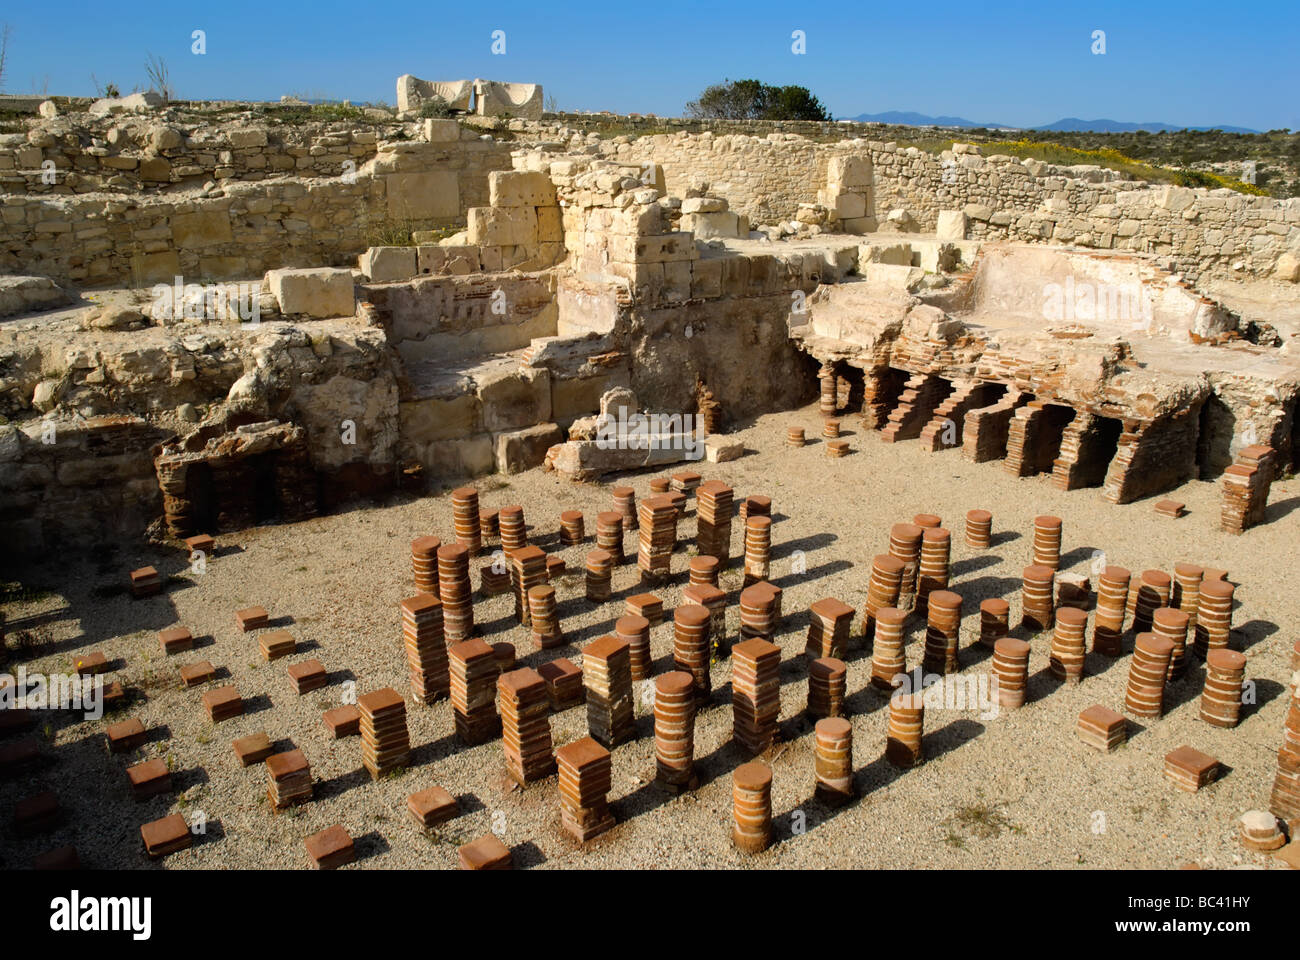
[(1213, 616), (514, 532), (1011, 670), (1073, 590), (830, 428), (757, 612), (995, 621), (1186, 594), (1221, 697), (543, 617), (385, 742), (1047, 541), (1170, 508), (489, 526), (145, 582), (426, 647), (645, 605), (755, 505), (661, 485), (625, 506), (525, 725), (887, 657), (836, 449), (942, 633), (830, 398), (494, 576), (833, 759), (882, 589), (465, 519), (1260, 831), (675, 729), (586, 775), (829, 623), (691, 648), (563, 683), (678, 500), (1068, 643), (1190, 769), (758, 548), (527, 570), (794, 436), (472, 666), (504, 653), (1036, 600), (713, 509), (657, 536), (928, 521), (704, 569), (635, 631), (600, 575), (1245, 489), (1146, 676), (609, 535), (827, 682), (1101, 728), (1152, 593), (1172, 625), (424, 563), (1108, 624), (572, 528), (906, 723), (905, 544), (979, 529), (223, 704), (456, 591), (1285, 799), (288, 779), (932, 574), (751, 806), (755, 693), (607, 675), (714, 600), (685, 481)]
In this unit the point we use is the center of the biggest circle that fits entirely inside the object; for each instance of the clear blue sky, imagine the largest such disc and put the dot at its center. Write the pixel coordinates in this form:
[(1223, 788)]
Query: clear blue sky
[(1188, 62)]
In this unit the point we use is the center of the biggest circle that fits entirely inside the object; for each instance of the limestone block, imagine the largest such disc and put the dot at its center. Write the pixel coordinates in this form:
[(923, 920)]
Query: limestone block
[(656, 249), (314, 292), (502, 226), (247, 137), (387, 264), (952, 225), (471, 457), (843, 204), (1288, 268), (573, 397), (859, 225), (457, 261), (704, 205), (515, 397), (426, 421), (423, 196), (412, 93), (441, 130), (707, 226), (157, 267), (550, 225), (706, 279), (978, 211), (135, 103), (849, 172), (511, 188), (520, 450), (24, 294), (492, 98), (720, 449), (201, 229), (158, 169)]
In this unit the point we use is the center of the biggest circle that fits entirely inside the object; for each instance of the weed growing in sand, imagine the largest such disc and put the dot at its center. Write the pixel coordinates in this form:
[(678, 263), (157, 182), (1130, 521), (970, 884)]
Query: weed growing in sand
[(980, 820), (395, 773), (203, 739), (492, 484)]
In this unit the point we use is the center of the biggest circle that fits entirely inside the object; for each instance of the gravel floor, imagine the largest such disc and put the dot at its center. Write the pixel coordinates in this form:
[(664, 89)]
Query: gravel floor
[(1015, 791)]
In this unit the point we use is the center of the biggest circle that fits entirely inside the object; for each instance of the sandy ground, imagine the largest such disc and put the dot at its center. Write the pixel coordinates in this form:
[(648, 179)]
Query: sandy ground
[(1015, 791)]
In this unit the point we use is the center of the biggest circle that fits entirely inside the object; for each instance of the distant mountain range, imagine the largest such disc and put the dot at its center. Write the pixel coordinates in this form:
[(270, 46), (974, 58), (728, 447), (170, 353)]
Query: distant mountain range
[(908, 118)]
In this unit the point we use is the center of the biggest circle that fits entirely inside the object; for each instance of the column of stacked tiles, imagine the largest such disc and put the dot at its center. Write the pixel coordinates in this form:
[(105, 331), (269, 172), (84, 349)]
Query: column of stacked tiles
[(660, 485), (1108, 623), (426, 647), (714, 600), (424, 564), (456, 591), (704, 570), (543, 617), (489, 526), (833, 759), (1213, 617), (1225, 671), (525, 712), (755, 505), (691, 647), (751, 806), (888, 659), (607, 675), (635, 631), (1011, 671), (794, 436), (829, 623), (758, 548), (932, 574), (599, 575), (1153, 592), (1101, 728), (830, 390), (1148, 668), (755, 693), (465, 519), (979, 529), (1187, 592), (657, 535), (473, 672), (528, 570), (905, 545), (572, 528), (757, 612), (514, 533), (288, 779), (906, 725), (609, 535), (1047, 541), (928, 521), (1172, 625), (995, 621), (385, 742), (883, 589), (625, 506), (1245, 490), (1037, 603), (827, 684), (1284, 801), (675, 730), (1068, 642), (942, 633), (586, 775)]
